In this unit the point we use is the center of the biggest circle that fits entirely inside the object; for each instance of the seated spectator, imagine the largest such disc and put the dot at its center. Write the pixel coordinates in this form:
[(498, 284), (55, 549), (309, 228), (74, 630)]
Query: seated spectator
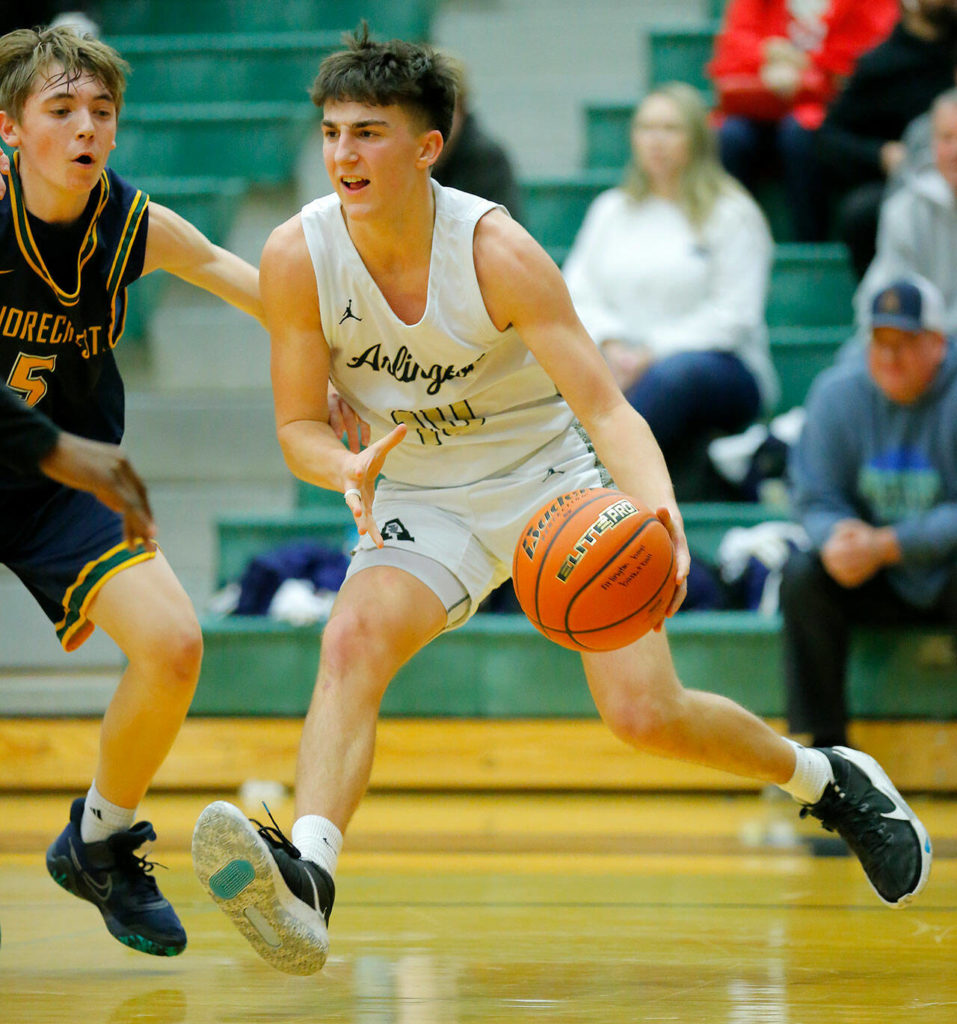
[(860, 142), (472, 161), (918, 222), (669, 274), (874, 478), (776, 66)]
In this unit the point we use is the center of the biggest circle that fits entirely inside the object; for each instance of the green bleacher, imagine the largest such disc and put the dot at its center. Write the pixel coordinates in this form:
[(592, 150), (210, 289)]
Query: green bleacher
[(224, 67), (410, 19), (257, 142), (680, 54), (498, 666)]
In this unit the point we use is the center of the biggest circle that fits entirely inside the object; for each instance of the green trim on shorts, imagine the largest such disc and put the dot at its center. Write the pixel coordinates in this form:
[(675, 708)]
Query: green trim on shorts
[(74, 627)]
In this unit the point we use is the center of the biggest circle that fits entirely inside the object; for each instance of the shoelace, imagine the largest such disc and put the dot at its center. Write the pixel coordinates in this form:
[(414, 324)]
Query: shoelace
[(858, 819), (137, 867), (273, 835)]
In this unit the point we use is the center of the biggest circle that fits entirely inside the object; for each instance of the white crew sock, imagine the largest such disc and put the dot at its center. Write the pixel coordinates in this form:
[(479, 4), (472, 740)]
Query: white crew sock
[(318, 840), (812, 772), (101, 819)]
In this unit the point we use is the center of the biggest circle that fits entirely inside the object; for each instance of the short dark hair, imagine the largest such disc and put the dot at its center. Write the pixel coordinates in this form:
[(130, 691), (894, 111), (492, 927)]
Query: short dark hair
[(411, 75), (26, 54)]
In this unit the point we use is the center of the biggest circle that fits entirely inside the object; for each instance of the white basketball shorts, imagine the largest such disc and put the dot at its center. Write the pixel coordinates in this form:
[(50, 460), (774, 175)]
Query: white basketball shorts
[(459, 541)]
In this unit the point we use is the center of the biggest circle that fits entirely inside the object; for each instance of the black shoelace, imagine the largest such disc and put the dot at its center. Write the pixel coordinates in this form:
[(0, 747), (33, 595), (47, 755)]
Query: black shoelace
[(136, 867), (841, 816), (273, 835)]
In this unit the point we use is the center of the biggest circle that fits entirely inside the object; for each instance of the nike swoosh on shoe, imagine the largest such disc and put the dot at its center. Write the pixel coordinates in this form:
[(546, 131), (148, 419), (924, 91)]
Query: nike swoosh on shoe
[(102, 890)]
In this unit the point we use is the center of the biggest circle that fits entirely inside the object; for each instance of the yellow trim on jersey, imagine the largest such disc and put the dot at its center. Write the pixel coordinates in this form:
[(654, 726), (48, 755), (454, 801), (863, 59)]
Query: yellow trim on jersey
[(130, 230), (28, 246), (125, 245)]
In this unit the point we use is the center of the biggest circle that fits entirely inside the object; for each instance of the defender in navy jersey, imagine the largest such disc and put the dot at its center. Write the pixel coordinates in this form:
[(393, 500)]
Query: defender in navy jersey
[(73, 236)]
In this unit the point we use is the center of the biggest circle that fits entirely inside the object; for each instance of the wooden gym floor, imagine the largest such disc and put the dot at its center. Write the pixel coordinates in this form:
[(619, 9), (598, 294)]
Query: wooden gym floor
[(468, 908)]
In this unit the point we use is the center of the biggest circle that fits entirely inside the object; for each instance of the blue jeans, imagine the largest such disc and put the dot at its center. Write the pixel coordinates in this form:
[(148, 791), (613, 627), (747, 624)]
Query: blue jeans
[(690, 396), (755, 150)]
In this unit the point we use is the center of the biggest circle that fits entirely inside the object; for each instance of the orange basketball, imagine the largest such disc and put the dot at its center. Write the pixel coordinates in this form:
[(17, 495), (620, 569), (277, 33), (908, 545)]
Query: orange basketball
[(594, 570)]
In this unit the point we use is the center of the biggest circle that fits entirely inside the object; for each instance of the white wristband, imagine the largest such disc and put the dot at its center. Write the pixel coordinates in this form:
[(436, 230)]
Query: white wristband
[(355, 491)]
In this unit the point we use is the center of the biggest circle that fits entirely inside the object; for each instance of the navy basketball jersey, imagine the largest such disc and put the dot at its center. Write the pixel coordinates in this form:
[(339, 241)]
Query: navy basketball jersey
[(63, 305)]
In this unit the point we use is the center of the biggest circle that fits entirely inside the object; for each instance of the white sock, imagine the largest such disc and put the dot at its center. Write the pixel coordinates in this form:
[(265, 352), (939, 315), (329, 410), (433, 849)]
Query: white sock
[(101, 819), (318, 840), (812, 772)]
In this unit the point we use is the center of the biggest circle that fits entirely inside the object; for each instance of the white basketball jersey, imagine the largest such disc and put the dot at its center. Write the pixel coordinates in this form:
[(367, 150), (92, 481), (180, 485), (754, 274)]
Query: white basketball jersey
[(474, 398)]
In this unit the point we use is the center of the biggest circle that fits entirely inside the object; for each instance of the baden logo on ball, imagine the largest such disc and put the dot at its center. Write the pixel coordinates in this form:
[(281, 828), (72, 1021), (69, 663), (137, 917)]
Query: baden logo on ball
[(594, 570)]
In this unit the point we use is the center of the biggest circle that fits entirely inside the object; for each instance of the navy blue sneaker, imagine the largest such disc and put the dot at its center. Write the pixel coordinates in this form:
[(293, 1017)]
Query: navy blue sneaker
[(119, 884), (863, 807), (279, 902)]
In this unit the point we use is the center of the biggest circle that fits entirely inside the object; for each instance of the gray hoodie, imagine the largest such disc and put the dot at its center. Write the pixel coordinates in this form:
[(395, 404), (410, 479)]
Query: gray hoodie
[(862, 456), (917, 235)]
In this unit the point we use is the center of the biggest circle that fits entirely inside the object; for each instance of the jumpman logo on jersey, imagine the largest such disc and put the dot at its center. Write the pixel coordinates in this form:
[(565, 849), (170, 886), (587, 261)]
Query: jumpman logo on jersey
[(349, 314)]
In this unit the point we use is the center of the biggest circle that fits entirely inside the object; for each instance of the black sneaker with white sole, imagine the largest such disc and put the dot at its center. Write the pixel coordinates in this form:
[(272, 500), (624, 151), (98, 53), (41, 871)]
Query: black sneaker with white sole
[(279, 902), (864, 808)]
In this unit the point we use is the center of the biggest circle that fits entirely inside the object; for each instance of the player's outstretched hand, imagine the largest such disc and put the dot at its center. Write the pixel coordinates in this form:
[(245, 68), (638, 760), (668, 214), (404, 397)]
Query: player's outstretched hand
[(106, 472), (346, 422), (360, 481), (682, 561)]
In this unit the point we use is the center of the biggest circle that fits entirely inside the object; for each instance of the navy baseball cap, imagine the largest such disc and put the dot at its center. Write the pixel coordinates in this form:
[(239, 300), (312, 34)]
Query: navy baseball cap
[(909, 304)]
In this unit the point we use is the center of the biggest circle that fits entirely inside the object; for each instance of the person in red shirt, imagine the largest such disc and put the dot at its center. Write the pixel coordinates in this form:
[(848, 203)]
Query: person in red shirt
[(776, 66)]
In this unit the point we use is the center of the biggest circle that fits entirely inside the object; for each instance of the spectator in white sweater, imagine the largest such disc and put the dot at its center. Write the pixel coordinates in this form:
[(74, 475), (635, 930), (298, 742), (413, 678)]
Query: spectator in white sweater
[(669, 274)]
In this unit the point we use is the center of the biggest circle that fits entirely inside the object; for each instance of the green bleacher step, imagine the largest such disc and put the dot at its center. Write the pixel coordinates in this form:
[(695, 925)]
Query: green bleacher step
[(812, 285), (494, 666), (498, 666), (555, 206), (258, 142), (799, 354), (680, 53), (410, 19), (608, 134), (224, 67)]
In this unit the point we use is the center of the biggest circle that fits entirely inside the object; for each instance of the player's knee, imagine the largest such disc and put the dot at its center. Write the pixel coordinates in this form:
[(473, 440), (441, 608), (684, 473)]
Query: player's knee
[(186, 654), (644, 722), (351, 639), (173, 651)]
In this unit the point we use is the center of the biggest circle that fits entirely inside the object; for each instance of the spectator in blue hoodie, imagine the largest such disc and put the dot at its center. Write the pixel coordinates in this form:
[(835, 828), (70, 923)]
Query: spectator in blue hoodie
[(874, 478)]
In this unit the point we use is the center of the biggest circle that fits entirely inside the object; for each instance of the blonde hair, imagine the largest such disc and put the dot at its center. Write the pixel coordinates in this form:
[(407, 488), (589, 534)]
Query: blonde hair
[(26, 54), (704, 180)]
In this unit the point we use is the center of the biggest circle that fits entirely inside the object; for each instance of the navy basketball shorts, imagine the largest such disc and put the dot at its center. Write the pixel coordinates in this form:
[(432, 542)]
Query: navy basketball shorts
[(64, 550)]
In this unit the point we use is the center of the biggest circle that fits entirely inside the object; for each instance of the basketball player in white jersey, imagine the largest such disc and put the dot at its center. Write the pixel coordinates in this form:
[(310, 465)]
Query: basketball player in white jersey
[(448, 330)]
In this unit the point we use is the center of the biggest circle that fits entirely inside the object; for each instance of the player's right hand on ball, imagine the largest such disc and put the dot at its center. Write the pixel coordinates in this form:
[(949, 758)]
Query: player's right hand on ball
[(366, 468)]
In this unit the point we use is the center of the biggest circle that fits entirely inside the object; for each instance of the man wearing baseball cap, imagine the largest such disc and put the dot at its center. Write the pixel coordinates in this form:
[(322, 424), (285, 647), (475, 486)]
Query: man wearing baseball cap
[(874, 482)]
